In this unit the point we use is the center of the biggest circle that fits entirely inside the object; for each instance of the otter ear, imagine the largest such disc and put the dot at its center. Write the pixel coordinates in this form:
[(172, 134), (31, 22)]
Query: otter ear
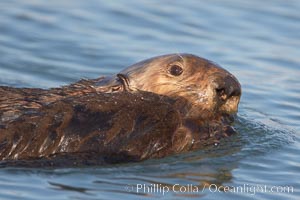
[(117, 83), (124, 81)]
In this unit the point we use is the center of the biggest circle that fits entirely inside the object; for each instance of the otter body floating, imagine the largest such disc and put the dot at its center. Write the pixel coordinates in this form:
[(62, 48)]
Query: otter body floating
[(158, 107)]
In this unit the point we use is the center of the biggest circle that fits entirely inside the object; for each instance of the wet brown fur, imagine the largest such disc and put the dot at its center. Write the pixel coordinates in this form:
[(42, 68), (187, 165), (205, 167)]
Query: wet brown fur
[(114, 120)]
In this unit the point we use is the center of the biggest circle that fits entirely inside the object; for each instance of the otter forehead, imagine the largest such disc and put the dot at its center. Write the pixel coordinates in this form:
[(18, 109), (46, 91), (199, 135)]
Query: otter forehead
[(161, 69), (161, 61)]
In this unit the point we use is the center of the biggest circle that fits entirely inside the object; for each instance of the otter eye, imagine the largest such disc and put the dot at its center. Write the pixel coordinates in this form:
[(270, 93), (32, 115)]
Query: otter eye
[(176, 70)]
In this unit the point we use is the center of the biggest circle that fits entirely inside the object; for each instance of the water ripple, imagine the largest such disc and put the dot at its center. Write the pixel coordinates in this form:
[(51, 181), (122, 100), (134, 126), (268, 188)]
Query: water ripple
[(51, 43)]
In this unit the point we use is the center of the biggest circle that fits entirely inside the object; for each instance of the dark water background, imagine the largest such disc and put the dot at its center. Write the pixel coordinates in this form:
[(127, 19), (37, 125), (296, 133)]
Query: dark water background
[(52, 43)]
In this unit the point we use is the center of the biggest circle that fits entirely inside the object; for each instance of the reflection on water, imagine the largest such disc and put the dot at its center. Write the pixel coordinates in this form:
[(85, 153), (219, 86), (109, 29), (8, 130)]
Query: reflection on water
[(51, 43)]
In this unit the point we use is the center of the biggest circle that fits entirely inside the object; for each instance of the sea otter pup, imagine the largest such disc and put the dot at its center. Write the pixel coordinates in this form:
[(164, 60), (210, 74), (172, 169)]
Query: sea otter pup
[(155, 108)]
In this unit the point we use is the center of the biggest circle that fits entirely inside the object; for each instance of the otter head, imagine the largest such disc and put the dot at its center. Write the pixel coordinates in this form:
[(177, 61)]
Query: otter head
[(208, 88)]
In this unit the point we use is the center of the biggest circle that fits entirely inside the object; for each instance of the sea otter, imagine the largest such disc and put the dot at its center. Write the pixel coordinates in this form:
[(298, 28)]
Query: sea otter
[(158, 107)]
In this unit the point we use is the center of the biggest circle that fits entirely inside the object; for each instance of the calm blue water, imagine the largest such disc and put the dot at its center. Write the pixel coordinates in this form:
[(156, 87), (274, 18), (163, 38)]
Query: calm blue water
[(52, 43)]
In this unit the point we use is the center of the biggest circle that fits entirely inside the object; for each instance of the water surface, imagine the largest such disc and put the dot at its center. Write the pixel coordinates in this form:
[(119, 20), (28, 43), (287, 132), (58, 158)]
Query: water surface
[(53, 43)]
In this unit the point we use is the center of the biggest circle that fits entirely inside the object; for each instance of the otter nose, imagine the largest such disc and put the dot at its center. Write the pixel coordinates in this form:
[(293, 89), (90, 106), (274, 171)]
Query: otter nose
[(227, 87)]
